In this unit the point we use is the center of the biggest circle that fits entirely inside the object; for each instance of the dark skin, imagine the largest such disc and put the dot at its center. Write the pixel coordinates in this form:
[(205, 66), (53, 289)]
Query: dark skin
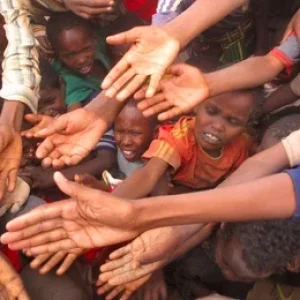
[(41, 178), (220, 119), (223, 118), (133, 133)]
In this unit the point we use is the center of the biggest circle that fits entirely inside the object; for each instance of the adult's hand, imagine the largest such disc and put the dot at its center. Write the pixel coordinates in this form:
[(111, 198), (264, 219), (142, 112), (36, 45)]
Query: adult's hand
[(89, 219), (70, 138), (89, 9), (154, 248), (183, 88), (10, 158), (10, 283), (46, 262), (152, 51), (39, 122)]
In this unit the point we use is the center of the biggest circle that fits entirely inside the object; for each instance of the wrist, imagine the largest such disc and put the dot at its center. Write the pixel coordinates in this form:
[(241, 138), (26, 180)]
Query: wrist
[(12, 114), (174, 33)]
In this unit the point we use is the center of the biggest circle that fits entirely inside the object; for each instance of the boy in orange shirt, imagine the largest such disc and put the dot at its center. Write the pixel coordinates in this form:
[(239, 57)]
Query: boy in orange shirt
[(198, 152)]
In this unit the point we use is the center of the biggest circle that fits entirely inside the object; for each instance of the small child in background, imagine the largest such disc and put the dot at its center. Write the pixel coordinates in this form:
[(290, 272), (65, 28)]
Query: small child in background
[(81, 60), (198, 152), (133, 134)]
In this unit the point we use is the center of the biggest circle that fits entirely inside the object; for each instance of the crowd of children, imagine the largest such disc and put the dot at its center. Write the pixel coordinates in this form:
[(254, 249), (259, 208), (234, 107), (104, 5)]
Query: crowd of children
[(200, 132)]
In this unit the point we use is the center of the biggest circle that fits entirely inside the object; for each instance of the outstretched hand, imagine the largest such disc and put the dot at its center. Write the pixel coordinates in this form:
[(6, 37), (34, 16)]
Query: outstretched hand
[(90, 219), (152, 51), (70, 138), (183, 88), (39, 122)]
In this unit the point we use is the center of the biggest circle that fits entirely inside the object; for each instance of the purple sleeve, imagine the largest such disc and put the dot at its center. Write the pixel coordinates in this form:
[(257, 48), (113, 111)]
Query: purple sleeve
[(295, 176)]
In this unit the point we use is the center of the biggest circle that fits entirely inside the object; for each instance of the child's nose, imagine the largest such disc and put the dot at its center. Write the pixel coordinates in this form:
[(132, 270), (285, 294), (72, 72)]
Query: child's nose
[(218, 125)]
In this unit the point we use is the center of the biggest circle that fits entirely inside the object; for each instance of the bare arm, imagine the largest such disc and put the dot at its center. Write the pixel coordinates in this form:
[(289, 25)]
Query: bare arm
[(143, 181), (255, 200), (201, 19), (249, 73)]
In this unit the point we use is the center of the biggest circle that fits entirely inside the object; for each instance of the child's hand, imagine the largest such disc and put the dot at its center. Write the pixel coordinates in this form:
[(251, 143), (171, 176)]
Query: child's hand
[(11, 282), (183, 88), (38, 177), (46, 262), (39, 121), (154, 289), (125, 289), (91, 181)]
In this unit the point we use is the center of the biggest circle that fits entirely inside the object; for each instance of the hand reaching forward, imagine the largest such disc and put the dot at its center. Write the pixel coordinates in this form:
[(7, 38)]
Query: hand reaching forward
[(151, 251), (39, 122), (183, 88), (46, 262), (70, 138), (152, 51), (10, 283), (90, 219)]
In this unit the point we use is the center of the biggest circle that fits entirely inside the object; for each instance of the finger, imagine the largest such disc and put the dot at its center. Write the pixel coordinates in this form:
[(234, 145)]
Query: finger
[(121, 252), (33, 118), (3, 179), (95, 4), (116, 263), (140, 94), (126, 37), (93, 12), (104, 288), (53, 247), (39, 260), (157, 108), (126, 295), (57, 125), (38, 215), (163, 293), (130, 276), (146, 103), (46, 147), (119, 83), (68, 261), (39, 239), (12, 180), (132, 86), (176, 70), (116, 291), (52, 262), (153, 85), (169, 114), (47, 162), (114, 73)]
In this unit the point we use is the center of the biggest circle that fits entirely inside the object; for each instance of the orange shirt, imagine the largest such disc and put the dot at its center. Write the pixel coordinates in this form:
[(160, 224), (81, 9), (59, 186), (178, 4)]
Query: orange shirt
[(192, 167)]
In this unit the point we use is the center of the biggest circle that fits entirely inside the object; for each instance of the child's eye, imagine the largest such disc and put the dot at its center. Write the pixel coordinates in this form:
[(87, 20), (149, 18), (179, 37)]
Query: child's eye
[(235, 122), (211, 110)]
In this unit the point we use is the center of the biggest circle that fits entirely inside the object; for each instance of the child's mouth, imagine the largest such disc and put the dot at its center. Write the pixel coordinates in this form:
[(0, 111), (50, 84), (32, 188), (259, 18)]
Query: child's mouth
[(85, 69), (211, 138), (128, 154)]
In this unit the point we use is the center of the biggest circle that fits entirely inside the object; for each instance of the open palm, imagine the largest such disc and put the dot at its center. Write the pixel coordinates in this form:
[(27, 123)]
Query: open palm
[(152, 51), (183, 88), (70, 138), (73, 223)]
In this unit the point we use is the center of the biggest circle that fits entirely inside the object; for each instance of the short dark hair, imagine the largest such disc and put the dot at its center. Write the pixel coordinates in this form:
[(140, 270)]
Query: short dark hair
[(59, 22), (267, 245)]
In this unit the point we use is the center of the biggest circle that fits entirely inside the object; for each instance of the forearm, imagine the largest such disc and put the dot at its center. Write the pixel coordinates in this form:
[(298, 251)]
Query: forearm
[(106, 109), (202, 20), (265, 163), (12, 114), (249, 73), (281, 97), (271, 197)]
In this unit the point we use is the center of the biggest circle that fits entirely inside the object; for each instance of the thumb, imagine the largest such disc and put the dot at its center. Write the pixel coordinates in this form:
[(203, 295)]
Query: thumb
[(56, 126), (175, 70), (126, 37), (33, 118)]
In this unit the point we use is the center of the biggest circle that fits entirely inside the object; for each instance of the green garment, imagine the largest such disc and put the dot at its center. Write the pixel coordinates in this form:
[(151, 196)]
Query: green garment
[(79, 88)]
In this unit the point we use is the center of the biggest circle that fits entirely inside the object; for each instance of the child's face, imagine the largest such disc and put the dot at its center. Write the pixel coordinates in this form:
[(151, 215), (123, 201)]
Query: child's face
[(229, 257), (133, 133), (220, 119), (76, 48)]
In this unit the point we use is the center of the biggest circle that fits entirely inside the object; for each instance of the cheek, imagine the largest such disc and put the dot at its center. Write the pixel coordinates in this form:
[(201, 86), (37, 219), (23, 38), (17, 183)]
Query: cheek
[(233, 131)]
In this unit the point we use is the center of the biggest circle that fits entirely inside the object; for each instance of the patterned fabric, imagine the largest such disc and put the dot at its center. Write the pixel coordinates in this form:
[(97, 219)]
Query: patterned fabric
[(191, 166)]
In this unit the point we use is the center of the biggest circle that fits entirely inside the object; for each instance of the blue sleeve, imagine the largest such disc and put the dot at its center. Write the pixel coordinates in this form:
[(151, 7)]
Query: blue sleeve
[(295, 176)]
